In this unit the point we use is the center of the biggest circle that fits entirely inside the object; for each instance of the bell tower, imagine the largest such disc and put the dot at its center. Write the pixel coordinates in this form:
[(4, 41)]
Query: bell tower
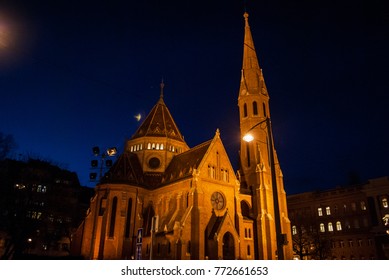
[(260, 173)]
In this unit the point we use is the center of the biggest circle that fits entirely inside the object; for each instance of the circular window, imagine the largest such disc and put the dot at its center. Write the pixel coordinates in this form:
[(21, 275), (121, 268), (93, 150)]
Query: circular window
[(217, 200), (154, 163)]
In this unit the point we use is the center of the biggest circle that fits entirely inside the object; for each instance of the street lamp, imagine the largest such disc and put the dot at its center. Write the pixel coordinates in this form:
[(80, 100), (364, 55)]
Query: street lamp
[(280, 238), (110, 152)]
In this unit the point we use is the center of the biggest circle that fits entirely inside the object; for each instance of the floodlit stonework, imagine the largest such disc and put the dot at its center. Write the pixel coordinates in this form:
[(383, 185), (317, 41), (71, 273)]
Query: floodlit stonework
[(164, 200)]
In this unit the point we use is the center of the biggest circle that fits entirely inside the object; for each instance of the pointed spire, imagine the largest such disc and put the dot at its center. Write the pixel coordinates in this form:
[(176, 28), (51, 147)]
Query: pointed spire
[(159, 122), (252, 81), (162, 86), (250, 59)]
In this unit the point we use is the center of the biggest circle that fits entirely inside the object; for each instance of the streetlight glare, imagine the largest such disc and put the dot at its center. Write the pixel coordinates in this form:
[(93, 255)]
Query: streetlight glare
[(248, 138)]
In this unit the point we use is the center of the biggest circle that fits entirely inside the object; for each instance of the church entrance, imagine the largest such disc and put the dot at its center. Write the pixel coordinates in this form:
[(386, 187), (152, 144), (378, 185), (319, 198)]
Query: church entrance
[(228, 246)]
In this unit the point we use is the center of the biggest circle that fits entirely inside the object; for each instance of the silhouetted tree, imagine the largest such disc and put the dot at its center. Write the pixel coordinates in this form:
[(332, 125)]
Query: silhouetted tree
[(308, 241), (7, 144)]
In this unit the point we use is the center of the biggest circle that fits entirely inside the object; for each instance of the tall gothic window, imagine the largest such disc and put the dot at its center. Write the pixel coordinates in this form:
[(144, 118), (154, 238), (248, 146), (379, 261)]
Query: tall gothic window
[(255, 108), (113, 217), (128, 221), (245, 110)]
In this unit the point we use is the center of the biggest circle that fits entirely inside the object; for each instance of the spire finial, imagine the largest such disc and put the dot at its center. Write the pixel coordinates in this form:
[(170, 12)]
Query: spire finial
[(162, 86), (246, 18)]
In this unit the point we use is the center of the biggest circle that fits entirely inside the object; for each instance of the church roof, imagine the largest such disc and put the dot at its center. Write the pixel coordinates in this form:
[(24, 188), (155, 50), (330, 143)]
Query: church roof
[(183, 165), (127, 169), (159, 123)]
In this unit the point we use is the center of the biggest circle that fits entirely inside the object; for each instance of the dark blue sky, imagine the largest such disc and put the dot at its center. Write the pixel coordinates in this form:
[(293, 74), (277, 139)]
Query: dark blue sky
[(73, 75)]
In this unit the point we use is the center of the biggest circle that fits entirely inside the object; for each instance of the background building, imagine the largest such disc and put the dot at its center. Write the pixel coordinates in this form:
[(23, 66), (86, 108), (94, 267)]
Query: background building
[(41, 205), (341, 223)]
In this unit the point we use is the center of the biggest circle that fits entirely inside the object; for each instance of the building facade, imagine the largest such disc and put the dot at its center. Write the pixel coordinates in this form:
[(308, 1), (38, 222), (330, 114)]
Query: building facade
[(342, 223), (41, 205), (164, 200)]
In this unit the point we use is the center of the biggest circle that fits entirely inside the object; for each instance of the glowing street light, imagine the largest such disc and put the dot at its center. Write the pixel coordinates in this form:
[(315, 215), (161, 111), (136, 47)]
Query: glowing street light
[(110, 152), (280, 238)]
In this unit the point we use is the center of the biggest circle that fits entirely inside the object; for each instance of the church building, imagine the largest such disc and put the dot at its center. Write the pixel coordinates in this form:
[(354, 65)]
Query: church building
[(162, 199)]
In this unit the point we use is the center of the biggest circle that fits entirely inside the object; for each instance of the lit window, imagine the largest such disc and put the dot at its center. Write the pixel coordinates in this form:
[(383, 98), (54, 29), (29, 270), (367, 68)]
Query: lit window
[(294, 230), (319, 211), (363, 205), (148, 146), (385, 202), (338, 226), (322, 228), (328, 210), (330, 227), (225, 175), (161, 146)]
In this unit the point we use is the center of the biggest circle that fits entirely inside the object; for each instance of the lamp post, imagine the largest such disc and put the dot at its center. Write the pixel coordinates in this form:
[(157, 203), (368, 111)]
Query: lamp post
[(110, 152), (248, 138)]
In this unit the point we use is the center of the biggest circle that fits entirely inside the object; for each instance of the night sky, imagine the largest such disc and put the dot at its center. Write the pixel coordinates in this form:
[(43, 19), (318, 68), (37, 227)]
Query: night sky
[(73, 74)]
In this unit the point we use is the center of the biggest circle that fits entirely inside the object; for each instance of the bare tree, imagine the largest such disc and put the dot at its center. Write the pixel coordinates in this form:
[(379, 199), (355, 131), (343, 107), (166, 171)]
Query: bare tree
[(7, 144)]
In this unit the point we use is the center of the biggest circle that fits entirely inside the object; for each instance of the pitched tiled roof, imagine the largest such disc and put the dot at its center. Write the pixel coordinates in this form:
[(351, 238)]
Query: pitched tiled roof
[(128, 170), (159, 122), (182, 165)]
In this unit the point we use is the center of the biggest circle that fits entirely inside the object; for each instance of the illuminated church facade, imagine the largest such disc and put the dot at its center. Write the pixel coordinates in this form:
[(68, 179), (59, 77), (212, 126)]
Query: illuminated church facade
[(162, 199)]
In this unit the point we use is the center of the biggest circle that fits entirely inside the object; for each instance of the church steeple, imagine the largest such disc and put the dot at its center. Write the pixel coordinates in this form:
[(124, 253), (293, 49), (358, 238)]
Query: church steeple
[(257, 163), (252, 81)]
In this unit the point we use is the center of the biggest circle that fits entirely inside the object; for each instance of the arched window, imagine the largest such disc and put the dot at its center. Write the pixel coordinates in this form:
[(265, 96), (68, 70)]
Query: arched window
[(245, 110), (338, 226), (245, 208), (255, 108), (330, 227), (322, 228), (113, 217), (294, 230), (128, 221)]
